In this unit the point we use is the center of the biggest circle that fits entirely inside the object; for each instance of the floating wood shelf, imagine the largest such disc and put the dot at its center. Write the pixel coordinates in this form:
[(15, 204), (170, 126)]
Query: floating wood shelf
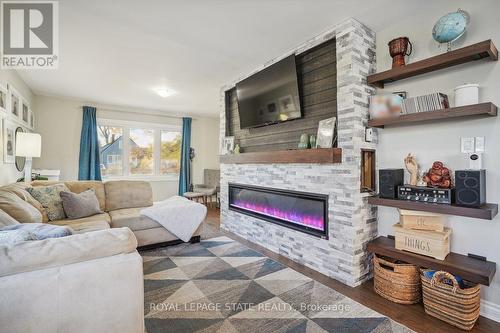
[(471, 269), (319, 155), (475, 110), (486, 212), (466, 54)]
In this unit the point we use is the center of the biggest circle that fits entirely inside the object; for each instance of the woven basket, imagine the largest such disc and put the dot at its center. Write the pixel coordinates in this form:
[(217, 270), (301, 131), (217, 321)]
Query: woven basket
[(450, 303), (397, 282)]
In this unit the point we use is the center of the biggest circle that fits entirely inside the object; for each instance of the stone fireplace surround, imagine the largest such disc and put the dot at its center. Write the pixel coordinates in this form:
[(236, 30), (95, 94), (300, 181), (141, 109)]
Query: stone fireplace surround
[(352, 222)]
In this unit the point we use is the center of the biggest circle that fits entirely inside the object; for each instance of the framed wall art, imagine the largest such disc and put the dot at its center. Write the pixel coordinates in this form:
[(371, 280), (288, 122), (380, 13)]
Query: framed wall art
[(15, 101), (9, 142), (4, 97), (25, 112)]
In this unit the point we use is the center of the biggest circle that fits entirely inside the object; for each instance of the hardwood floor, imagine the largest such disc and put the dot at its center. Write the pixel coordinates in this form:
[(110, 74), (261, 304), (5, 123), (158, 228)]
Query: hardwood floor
[(412, 316)]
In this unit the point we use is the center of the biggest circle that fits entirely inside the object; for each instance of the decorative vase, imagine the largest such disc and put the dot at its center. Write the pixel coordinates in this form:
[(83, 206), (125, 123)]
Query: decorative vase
[(398, 49), (312, 141), (304, 141)]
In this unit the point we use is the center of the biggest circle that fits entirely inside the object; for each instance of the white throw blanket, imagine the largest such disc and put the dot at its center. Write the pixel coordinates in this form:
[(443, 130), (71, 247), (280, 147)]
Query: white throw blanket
[(178, 215)]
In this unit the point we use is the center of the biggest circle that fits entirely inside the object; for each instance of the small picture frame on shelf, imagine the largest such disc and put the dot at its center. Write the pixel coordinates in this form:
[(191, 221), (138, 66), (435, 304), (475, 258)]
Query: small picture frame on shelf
[(385, 106), (227, 145), (326, 130)]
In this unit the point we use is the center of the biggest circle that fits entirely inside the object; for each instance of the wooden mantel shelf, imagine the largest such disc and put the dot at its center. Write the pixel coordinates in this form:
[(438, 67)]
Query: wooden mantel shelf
[(485, 49), (471, 269), (319, 155)]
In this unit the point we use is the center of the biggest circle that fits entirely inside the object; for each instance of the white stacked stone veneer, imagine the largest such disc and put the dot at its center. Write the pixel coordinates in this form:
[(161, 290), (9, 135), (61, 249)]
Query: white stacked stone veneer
[(352, 222)]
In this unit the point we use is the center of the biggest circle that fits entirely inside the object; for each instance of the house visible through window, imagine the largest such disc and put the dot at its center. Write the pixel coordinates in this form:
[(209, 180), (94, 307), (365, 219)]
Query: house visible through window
[(111, 150), (129, 149)]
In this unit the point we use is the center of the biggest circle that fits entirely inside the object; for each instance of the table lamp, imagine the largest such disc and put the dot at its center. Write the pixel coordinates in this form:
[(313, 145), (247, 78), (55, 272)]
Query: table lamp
[(28, 145)]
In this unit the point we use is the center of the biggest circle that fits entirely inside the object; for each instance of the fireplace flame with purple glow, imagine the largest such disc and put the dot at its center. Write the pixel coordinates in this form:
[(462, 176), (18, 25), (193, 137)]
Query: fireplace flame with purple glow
[(290, 209)]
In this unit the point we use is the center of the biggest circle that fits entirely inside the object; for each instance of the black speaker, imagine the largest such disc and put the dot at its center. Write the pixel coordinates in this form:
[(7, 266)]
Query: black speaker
[(388, 182), (470, 187)]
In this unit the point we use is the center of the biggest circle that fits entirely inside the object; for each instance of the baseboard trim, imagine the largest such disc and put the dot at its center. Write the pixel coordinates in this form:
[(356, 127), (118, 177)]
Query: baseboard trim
[(490, 310)]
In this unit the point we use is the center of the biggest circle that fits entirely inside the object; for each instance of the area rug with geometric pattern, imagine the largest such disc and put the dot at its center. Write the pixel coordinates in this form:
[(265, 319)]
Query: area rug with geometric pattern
[(220, 285)]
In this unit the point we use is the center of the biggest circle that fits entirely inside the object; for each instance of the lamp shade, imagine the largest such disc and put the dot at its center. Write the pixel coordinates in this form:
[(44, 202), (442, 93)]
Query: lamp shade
[(28, 144)]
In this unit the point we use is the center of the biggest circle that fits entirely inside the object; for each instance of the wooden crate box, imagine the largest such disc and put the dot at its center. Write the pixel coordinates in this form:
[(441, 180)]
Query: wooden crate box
[(411, 219), (435, 244)]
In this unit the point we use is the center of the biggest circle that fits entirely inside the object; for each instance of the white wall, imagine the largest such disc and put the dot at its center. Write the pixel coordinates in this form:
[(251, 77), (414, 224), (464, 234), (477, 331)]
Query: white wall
[(60, 121), (8, 172), (441, 141)]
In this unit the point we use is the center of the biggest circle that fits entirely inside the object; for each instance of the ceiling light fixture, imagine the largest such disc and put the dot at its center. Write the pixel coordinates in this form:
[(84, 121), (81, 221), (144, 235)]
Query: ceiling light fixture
[(165, 92)]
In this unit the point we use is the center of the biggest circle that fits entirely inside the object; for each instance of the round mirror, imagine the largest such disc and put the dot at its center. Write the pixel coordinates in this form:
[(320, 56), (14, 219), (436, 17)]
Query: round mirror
[(20, 160)]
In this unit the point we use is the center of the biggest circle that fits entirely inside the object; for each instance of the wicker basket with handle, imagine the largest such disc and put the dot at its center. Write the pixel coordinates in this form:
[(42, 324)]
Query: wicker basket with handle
[(397, 282), (449, 302)]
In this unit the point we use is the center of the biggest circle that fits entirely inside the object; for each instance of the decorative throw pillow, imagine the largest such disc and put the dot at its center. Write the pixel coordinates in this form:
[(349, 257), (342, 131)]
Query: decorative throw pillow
[(78, 205), (42, 230), (6, 219), (49, 197), (19, 209), (9, 237)]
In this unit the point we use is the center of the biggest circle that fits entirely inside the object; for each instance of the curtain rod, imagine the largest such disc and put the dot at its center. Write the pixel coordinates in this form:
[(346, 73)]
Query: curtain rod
[(134, 111)]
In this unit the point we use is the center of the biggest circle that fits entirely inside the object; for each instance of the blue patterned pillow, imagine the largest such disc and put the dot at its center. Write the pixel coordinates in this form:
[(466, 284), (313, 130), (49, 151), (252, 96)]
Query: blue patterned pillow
[(50, 198)]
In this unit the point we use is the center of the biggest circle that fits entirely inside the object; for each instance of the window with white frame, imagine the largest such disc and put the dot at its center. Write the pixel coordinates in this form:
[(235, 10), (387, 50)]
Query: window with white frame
[(135, 150)]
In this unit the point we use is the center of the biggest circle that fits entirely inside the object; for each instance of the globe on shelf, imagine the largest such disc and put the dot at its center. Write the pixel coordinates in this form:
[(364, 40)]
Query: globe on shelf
[(450, 27)]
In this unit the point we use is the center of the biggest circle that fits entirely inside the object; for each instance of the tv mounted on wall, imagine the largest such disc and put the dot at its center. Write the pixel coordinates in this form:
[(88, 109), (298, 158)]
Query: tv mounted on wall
[(269, 96)]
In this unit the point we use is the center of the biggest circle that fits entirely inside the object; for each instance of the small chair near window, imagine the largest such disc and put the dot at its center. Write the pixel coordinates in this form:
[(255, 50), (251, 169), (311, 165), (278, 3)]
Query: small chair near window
[(209, 189)]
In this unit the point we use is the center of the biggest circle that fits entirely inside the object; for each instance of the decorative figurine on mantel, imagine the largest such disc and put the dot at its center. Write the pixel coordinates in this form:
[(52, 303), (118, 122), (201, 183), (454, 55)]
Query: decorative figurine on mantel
[(304, 141), (438, 176), (412, 167)]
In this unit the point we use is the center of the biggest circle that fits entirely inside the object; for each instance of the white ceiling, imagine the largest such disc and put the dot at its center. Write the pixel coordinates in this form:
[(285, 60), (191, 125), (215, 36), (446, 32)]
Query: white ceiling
[(118, 52)]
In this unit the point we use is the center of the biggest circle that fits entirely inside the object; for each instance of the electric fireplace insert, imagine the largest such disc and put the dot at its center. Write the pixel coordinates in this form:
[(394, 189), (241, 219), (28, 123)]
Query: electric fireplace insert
[(302, 211)]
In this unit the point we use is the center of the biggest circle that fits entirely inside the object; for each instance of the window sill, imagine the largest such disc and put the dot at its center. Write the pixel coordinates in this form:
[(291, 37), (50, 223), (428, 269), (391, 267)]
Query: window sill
[(144, 178)]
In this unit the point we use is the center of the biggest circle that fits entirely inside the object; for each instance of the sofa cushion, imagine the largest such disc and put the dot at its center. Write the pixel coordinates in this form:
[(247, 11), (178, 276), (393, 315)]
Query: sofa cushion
[(127, 194), (78, 205), (131, 218), (42, 230), (49, 197), (19, 189), (104, 217), (97, 186), (19, 209), (83, 227), (6, 219), (53, 252)]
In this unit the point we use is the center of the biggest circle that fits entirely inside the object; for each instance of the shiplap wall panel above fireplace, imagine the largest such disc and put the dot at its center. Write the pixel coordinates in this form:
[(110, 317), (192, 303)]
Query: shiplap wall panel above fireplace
[(352, 222), (317, 79)]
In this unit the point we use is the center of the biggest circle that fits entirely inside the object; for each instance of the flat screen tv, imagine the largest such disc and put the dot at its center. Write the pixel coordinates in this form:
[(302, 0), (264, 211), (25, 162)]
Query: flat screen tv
[(269, 96)]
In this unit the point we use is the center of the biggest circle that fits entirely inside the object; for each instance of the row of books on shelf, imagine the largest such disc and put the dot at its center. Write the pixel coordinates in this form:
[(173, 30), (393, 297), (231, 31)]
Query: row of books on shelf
[(393, 105), (424, 103)]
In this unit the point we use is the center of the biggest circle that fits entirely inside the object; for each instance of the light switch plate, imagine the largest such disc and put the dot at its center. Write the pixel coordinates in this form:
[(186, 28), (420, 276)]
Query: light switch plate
[(467, 145), (369, 134), (479, 144)]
